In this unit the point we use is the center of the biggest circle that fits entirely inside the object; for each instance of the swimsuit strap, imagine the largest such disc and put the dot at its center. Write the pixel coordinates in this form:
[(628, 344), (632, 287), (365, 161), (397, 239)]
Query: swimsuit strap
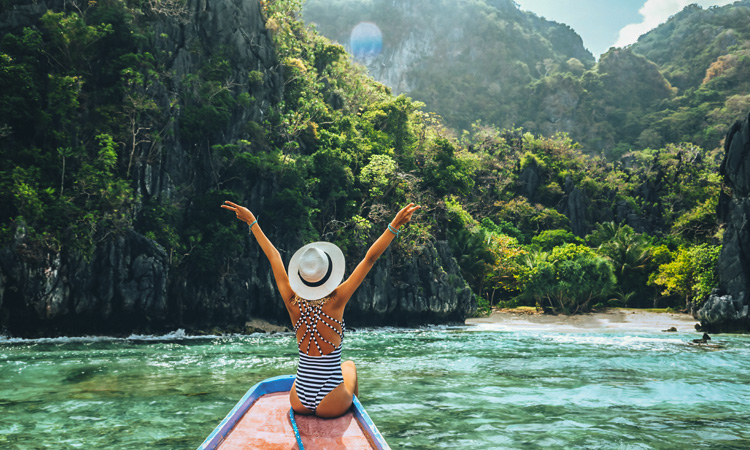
[(310, 316)]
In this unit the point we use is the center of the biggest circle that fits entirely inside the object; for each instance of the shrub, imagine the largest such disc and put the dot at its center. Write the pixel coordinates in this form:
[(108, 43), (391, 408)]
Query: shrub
[(549, 239), (569, 278), (691, 274)]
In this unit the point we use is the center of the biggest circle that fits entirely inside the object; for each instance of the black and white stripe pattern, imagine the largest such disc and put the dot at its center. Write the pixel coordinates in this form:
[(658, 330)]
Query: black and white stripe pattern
[(317, 376)]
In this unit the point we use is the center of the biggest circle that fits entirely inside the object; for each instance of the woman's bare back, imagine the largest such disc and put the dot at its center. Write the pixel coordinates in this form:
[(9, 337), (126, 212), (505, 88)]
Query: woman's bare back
[(319, 326)]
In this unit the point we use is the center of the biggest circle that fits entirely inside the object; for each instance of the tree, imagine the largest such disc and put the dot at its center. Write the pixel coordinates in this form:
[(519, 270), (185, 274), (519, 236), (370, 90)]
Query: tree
[(505, 268), (378, 174), (691, 274), (569, 278), (447, 173), (549, 239), (629, 253)]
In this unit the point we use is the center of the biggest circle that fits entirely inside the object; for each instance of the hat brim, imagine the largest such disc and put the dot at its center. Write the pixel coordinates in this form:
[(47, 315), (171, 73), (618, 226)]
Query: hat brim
[(337, 272)]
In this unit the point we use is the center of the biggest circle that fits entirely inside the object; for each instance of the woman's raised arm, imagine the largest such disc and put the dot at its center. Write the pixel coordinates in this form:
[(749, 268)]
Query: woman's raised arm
[(277, 265), (347, 288)]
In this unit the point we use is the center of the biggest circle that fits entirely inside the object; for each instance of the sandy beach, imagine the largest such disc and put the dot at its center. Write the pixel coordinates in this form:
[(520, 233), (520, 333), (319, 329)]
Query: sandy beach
[(616, 319)]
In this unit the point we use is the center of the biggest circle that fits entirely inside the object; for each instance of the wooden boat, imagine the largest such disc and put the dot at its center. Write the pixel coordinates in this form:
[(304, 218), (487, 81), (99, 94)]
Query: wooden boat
[(703, 342), (261, 421)]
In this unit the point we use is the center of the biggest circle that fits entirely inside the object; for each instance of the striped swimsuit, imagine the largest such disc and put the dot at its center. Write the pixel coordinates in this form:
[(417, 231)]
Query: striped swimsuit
[(316, 375)]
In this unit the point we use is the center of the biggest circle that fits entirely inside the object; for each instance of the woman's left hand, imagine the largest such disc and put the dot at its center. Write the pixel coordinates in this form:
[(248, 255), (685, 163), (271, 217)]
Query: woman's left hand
[(242, 213), (404, 216)]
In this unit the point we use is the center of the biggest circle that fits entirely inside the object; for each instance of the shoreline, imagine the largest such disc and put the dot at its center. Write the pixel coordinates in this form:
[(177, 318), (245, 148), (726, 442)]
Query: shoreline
[(507, 319), (620, 319)]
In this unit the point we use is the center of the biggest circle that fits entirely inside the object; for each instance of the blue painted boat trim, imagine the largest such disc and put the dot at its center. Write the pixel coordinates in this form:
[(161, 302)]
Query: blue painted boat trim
[(283, 383), (276, 384), (369, 426)]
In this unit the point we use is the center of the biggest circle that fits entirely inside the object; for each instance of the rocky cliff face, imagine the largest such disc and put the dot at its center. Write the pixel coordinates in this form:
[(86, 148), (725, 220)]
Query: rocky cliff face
[(417, 33), (425, 288), (128, 282), (466, 60), (123, 286), (728, 308)]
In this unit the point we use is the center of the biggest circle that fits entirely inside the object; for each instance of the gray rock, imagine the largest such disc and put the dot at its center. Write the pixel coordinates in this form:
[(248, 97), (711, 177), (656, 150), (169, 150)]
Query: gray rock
[(727, 308), (576, 208), (126, 284), (529, 180), (717, 309), (428, 288), (121, 287)]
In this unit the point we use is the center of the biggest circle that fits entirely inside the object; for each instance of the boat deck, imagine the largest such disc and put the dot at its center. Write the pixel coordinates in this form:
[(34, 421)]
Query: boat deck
[(266, 426)]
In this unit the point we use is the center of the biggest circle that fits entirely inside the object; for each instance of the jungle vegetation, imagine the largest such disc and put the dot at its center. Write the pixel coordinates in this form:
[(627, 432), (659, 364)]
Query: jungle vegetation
[(685, 81), (532, 219)]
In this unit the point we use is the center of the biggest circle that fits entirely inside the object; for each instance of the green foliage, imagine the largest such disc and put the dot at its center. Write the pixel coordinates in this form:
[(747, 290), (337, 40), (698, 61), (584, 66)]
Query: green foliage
[(693, 39), (569, 278), (631, 259), (70, 40), (529, 159), (458, 215), (549, 239), (161, 222), (686, 80), (698, 223), (691, 275), (337, 155), (489, 259), (501, 280), (474, 257), (67, 188), (529, 218), (447, 173), (504, 228), (26, 192), (255, 77), (378, 175), (209, 102)]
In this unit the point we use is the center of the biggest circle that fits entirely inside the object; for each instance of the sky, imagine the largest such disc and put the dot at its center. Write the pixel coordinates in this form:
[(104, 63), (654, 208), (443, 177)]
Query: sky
[(611, 23)]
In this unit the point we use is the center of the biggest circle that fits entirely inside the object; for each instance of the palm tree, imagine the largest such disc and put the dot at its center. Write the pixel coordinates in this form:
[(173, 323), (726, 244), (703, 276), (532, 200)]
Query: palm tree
[(473, 257), (629, 253)]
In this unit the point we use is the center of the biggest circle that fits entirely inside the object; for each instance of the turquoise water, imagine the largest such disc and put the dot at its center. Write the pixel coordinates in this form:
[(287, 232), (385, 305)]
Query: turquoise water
[(469, 387)]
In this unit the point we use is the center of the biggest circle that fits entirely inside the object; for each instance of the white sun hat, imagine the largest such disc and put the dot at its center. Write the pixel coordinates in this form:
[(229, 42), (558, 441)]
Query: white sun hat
[(316, 269)]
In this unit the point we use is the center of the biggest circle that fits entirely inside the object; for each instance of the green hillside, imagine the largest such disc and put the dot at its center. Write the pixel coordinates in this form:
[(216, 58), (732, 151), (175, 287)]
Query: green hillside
[(705, 54), (530, 220), (687, 80), (465, 60)]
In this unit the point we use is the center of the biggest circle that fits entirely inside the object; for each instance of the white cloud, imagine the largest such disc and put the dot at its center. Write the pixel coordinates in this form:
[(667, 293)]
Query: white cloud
[(656, 12)]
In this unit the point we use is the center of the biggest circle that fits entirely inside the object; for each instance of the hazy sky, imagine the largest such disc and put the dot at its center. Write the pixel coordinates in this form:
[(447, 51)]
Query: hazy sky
[(606, 23)]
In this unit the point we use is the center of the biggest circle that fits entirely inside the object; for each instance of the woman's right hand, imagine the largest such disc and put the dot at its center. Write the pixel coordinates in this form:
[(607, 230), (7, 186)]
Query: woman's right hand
[(242, 213), (404, 216)]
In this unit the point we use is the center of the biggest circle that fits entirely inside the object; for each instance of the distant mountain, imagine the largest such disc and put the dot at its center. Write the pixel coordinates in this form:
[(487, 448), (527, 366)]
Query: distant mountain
[(125, 125), (694, 39), (469, 60), (466, 60)]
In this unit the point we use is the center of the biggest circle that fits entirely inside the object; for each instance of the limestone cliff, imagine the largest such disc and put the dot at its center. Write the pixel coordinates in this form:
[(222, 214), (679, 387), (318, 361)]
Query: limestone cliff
[(488, 60), (465, 60), (129, 282), (728, 308)]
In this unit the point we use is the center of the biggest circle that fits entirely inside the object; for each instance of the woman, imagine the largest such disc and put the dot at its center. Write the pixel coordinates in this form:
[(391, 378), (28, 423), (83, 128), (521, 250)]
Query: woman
[(315, 301)]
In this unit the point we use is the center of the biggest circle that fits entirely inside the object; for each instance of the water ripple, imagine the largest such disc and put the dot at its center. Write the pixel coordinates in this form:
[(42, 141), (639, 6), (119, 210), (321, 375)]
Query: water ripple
[(426, 388)]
